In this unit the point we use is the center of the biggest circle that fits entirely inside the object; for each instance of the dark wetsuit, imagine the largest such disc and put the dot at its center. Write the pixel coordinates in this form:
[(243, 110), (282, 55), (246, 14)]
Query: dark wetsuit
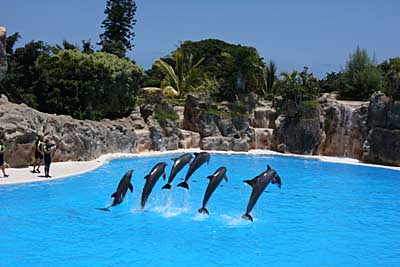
[(1, 155), (38, 144), (47, 157)]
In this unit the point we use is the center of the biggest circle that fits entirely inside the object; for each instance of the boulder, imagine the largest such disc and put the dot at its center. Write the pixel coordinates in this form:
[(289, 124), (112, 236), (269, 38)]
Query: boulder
[(345, 130), (75, 139), (383, 147), (299, 131)]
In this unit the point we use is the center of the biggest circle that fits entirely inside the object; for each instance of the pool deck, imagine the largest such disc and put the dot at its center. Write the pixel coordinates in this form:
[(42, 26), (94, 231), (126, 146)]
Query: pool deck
[(71, 168)]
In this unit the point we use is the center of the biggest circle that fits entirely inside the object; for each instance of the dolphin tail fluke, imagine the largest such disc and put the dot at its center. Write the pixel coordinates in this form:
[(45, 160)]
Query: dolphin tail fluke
[(166, 186), (247, 216), (203, 210), (184, 185), (104, 209)]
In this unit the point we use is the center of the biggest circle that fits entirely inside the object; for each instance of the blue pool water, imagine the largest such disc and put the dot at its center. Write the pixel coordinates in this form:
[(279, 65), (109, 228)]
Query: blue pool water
[(326, 214)]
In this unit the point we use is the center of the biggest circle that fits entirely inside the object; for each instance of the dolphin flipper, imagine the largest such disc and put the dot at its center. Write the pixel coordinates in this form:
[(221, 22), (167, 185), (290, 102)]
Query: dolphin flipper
[(250, 182), (103, 209), (204, 210), (166, 186), (131, 187), (247, 216), (226, 178), (184, 185)]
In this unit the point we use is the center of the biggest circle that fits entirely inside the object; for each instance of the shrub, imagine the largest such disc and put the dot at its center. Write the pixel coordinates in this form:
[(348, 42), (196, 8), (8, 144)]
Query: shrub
[(361, 77), (88, 86)]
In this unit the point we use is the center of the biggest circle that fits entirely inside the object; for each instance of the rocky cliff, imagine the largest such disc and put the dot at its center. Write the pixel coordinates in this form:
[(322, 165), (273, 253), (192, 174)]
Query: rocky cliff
[(382, 145), (332, 128)]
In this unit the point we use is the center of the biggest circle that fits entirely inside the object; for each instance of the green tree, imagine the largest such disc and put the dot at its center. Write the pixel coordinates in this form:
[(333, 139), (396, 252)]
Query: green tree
[(227, 75), (361, 77), (270, 76), (22, 81), (298, 86), (184, 77), (88, 86), (118, 27), (391, 70)]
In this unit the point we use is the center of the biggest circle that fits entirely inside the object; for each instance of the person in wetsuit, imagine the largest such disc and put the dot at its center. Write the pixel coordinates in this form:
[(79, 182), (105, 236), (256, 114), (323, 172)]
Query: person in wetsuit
[(2, 148), (38, 154), (47, 149)]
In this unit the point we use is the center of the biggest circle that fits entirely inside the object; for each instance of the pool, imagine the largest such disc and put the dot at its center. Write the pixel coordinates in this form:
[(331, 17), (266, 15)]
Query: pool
[(326, 214)]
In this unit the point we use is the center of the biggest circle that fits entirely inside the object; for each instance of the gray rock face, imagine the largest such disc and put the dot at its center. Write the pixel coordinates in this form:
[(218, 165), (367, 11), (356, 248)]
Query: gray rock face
[(218, 126), (383, 147), (3, 58), (299, 133), (75, 139), (345, 130), (383, 143)]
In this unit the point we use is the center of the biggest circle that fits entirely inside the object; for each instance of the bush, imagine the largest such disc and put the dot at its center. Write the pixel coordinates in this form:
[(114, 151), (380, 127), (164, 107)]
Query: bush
[(162, 115), (88, 86), (391, 70), (361, 77)]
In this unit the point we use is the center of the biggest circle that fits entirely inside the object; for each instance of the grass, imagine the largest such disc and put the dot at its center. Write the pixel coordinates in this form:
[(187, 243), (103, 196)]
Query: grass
[(165, 114)]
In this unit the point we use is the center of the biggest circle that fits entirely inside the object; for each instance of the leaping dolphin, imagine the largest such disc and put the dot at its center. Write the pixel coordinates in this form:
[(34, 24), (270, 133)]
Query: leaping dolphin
[(122, 188), (179, 163), (151, 180), (200, 159), (215, 180), (259, 183)]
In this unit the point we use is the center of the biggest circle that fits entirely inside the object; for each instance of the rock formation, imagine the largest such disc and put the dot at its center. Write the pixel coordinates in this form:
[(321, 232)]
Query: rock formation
[(220, 128), (383, 143), (345, 129)]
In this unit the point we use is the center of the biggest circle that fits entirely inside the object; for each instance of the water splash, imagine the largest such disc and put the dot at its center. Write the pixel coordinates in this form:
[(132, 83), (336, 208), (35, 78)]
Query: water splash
[(234, 221), (165, 204)]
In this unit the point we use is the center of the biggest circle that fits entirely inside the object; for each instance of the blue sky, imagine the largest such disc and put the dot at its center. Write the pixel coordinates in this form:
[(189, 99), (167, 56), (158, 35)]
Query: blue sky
[(319, 34)]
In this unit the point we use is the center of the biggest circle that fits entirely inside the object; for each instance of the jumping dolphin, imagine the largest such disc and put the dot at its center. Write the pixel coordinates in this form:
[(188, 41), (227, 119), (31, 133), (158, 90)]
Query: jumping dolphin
[(151, 180), (122, 188), (179, 163), (259, 183), (215, 180), (199, 160)]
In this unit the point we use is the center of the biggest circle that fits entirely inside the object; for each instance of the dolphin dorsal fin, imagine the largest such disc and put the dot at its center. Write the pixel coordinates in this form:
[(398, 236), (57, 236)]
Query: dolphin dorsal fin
[(268, 167), (114, 195), (209, 177), (195, 154), (147, 176)]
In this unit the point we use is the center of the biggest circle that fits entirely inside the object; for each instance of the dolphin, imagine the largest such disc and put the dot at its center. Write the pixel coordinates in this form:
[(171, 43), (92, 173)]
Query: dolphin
[(215, 180), (122, 188), (151, 180), (179, 163), (259, 183), (199, 160)]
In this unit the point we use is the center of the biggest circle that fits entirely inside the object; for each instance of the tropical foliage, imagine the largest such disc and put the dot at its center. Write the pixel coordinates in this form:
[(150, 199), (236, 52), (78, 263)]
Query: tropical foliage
[(181, 78), (298, 86)]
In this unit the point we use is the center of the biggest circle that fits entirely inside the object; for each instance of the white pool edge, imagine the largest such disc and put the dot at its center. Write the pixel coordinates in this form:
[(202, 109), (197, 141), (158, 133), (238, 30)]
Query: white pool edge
[(73, 168)]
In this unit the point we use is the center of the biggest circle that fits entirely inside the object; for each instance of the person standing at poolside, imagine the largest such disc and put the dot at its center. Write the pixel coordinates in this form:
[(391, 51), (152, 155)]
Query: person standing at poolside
[(2, 148), (38, 153), (47, 149)]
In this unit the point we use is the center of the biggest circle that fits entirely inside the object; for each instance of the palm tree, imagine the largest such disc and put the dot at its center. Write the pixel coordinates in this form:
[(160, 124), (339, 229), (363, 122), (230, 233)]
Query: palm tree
[(183, 77), (270, 76)]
